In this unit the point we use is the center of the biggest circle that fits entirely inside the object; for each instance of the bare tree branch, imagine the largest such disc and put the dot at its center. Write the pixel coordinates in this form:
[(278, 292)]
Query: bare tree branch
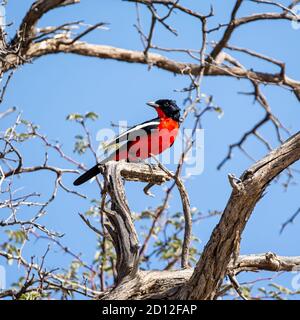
[(34, 14), (52, 46), (290, 220), (247, 191), (166, 284), (268, 261)]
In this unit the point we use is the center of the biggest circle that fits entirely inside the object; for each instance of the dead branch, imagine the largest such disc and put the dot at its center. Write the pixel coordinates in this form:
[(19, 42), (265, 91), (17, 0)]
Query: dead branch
[(38, 9), (268, 261), (167, 284), (121, 228), (247, 191)]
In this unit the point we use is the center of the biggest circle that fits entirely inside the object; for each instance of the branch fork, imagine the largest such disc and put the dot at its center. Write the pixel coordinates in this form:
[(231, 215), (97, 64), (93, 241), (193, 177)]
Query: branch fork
[(120, 227)]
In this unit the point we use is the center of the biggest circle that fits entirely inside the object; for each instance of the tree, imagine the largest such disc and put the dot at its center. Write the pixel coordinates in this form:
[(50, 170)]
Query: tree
[(116, 272)]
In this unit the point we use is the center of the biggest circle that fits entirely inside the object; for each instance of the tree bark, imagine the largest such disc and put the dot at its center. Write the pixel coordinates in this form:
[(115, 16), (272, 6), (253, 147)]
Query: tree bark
[(225, 240), (221, 254)]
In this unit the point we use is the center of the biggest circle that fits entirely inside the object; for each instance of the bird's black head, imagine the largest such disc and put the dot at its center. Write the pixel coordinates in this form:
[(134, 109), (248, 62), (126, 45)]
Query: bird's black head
[(168, 107)]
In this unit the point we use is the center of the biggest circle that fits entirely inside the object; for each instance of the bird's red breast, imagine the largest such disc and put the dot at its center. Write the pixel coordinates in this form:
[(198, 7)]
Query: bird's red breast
[(155, 142)]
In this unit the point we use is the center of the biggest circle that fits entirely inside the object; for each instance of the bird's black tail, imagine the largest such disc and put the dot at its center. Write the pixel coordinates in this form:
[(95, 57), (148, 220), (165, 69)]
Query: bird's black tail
[(87, 175), (95, 170)]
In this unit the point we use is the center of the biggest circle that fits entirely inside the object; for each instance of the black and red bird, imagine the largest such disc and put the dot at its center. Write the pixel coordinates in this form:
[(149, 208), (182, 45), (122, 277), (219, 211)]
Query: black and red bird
[(146, 139)]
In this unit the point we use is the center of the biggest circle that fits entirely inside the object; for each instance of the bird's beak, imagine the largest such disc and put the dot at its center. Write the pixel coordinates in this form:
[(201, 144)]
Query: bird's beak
[(153, 104)]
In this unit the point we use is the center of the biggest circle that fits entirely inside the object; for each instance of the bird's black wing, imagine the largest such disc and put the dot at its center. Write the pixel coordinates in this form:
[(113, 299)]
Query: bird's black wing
[(136, 131)]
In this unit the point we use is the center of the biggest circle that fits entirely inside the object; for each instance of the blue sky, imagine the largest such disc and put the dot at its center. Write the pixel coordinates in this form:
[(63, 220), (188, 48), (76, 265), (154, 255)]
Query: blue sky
[(54, 86)]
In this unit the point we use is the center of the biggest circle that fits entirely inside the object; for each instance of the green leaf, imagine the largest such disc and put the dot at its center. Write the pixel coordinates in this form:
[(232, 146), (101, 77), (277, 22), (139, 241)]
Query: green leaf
[(219, 111), (75, 116), (91, 115)]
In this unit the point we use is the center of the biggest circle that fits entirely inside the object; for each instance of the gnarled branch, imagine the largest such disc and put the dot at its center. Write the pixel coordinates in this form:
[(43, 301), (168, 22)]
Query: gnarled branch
[(167, 284), (224, 242), (121, 228)]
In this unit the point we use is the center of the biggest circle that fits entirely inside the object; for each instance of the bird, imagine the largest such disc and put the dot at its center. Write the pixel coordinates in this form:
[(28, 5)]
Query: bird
[(140, 142)]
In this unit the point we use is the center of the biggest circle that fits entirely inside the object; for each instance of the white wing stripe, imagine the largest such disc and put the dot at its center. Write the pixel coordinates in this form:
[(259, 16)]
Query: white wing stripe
[(134, 129)]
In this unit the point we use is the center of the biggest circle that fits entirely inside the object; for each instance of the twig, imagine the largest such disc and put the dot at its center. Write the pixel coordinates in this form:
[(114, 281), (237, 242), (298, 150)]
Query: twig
[(289, 221)]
